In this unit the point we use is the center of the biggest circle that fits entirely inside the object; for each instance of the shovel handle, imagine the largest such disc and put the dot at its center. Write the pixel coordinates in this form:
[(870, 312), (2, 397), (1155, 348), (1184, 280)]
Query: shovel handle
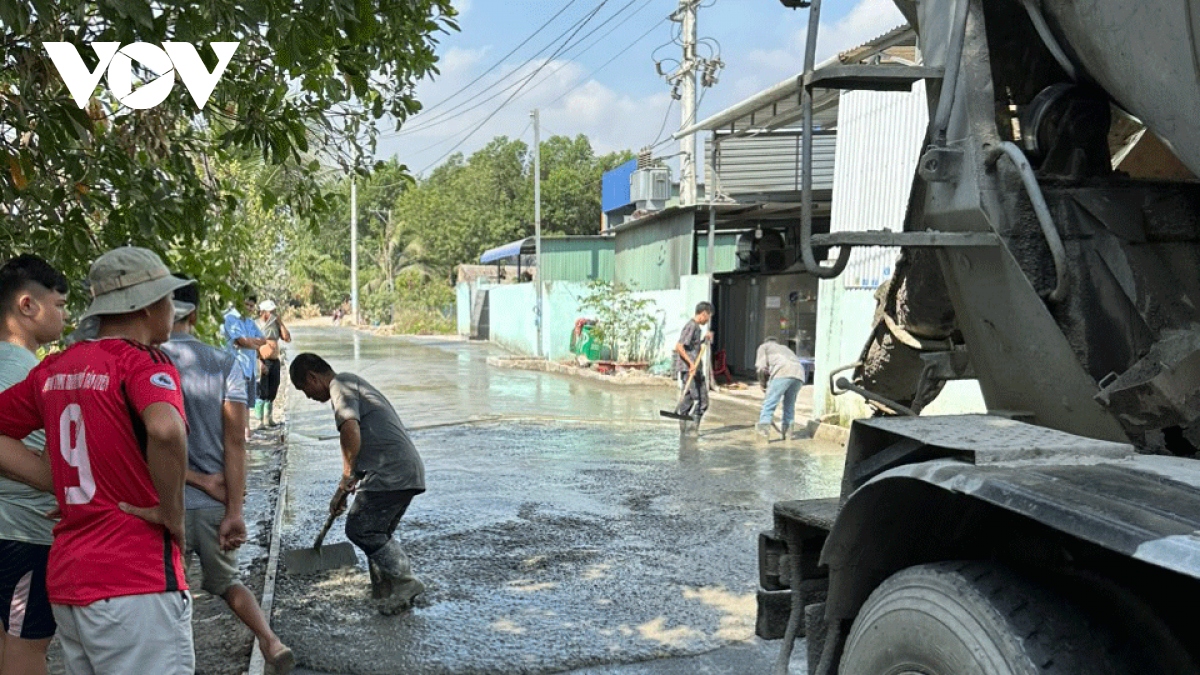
[(692, 372), (329, 521)]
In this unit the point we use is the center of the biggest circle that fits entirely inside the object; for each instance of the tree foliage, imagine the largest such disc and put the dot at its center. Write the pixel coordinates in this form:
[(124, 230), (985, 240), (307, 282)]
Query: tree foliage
[(305, 89), (468, 205)]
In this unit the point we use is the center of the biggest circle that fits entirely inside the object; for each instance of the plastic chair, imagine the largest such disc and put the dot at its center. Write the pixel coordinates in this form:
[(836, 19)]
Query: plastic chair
[(720, 367)]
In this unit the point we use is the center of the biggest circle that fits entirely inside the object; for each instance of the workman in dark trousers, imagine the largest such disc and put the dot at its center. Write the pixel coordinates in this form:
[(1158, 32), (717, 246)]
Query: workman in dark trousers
[(694, 402), (380, 465)]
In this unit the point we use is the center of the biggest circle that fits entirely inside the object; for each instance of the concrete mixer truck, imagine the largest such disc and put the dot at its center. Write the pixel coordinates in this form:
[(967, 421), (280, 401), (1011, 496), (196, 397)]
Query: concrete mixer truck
[(1051, 251)]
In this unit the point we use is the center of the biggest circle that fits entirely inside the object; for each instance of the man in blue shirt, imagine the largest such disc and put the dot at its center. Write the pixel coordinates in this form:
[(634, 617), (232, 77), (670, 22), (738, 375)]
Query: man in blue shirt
[(244, 338)]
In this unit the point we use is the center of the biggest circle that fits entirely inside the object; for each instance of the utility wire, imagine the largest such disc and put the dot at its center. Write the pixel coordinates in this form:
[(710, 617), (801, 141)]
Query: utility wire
[(518, 90), (448, 116), (501, 60), (587, 78), (663, 127), (482, 95)]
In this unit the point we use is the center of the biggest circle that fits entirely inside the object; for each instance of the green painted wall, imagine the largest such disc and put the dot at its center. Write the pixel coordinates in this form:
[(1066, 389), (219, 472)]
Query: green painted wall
[(578, 259), (724, 253), (653, 257)]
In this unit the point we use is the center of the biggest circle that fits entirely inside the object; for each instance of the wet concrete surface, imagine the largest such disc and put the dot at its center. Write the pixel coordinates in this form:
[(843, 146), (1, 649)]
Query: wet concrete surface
[(565, 526)]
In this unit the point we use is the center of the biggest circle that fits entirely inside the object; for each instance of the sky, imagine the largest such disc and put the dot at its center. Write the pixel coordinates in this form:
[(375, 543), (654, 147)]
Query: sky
[(621, 105)]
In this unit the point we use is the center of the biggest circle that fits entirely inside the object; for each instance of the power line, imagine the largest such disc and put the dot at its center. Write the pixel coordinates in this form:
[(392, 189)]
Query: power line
[(481, 95), (451, 115), (663, 126), (518, 91), (587, 78), (501, 60)]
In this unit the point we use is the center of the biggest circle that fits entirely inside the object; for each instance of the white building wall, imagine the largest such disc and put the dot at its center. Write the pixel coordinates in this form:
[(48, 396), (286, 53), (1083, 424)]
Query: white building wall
[(880, 138)]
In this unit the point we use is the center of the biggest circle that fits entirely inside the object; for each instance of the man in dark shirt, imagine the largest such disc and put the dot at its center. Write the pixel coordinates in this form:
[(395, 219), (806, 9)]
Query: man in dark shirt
[(687, 350), (380, 465)]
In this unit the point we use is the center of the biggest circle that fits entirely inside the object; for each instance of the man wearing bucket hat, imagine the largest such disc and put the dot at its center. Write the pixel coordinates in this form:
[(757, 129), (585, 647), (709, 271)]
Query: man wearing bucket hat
[(273, 330), (113, 414)]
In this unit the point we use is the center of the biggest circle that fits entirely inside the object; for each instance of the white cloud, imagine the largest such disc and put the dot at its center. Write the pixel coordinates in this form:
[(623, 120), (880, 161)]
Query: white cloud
[(611, 118), (866, 21)]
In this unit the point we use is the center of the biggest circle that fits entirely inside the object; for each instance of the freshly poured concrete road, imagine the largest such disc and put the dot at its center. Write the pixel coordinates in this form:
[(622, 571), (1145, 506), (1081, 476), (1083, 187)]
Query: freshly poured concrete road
[(565, 528)]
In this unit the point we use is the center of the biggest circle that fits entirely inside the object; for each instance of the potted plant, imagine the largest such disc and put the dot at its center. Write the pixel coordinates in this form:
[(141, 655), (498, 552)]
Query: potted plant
[(624, 323)]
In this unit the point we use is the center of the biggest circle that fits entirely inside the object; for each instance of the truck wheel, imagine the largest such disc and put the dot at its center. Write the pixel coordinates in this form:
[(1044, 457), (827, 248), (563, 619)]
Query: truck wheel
[(976, 618)]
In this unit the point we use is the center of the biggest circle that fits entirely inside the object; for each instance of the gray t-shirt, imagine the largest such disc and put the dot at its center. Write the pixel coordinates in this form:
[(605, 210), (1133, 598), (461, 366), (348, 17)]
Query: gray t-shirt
[(23, 508), (210, 378), (690, 337), (779, 361), (387, 459)]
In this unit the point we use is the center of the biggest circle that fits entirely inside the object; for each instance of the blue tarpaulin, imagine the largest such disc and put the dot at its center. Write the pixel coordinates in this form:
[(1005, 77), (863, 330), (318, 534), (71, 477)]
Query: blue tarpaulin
[(509, 250)]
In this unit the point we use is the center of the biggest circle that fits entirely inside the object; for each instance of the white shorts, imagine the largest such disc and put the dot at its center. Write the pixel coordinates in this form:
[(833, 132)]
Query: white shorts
[(129, 634)]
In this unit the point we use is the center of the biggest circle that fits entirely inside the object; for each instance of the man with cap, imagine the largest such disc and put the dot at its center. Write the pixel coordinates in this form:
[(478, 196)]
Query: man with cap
[(244, 340), (112, 409), (214, 395), (270, 324), (33, 298)]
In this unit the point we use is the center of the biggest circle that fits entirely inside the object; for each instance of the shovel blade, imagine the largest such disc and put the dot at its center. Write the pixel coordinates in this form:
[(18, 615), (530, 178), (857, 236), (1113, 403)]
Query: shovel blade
[(312, 560)]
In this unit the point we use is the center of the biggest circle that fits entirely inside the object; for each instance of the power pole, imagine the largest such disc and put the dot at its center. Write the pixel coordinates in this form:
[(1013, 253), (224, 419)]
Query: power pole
[(537, 220), (354, 249), (687, 76)]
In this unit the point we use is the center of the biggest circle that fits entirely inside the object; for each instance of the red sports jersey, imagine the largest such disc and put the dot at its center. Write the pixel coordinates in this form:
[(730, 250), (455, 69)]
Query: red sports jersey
[(89, 399)]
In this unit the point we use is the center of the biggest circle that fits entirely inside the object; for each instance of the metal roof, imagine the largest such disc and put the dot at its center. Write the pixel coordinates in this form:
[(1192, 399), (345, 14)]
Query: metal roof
[(779, 106), (528, 246), (510, 250)]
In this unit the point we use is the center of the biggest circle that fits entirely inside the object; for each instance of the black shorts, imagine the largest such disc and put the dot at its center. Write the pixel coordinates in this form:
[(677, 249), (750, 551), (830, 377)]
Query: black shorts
[(23, 600), (268, 384)]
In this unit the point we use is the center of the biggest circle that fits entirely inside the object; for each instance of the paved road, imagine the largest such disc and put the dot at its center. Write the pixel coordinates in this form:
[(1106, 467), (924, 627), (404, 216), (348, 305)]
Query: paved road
[(565, 528)]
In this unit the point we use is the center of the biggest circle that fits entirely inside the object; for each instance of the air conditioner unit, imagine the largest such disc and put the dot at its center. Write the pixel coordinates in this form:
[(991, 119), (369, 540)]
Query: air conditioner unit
[(650, 188)]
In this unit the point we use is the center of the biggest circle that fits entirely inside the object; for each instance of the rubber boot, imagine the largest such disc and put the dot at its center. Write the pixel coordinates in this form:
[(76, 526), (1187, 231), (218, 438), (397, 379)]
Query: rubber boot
[(785, 430), (381, 586), (269, 414), (259, 405), (763, 430), (396, 578)]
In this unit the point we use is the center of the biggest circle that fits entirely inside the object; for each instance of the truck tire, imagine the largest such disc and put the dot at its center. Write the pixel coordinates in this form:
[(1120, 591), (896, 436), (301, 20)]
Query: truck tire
[(977, 618)]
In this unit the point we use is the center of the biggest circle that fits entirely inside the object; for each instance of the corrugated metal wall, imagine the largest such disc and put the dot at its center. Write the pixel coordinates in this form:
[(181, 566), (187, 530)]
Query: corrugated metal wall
[(880, 136), (572, 259), (724, 252), (770, 162), (652, 257)]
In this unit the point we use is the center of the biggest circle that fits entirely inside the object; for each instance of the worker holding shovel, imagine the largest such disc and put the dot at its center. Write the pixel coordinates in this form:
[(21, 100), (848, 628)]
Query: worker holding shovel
[(381, 467), (693, 402)]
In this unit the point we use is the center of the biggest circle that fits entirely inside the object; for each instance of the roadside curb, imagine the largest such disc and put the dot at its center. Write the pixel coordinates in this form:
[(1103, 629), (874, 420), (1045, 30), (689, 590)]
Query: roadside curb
[(547, 366), (823, 431), (258, 664)]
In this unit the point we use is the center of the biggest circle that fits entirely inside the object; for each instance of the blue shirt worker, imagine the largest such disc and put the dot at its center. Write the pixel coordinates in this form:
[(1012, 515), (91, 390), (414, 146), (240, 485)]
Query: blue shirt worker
[(244, 339), (781, 373)]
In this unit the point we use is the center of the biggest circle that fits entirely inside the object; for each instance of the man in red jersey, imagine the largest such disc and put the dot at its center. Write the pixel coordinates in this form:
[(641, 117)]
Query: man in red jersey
[(113, 413)]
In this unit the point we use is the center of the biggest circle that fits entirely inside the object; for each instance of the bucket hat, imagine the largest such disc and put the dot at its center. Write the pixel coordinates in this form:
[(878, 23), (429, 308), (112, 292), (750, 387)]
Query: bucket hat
[(127, 279), (266, 306)]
